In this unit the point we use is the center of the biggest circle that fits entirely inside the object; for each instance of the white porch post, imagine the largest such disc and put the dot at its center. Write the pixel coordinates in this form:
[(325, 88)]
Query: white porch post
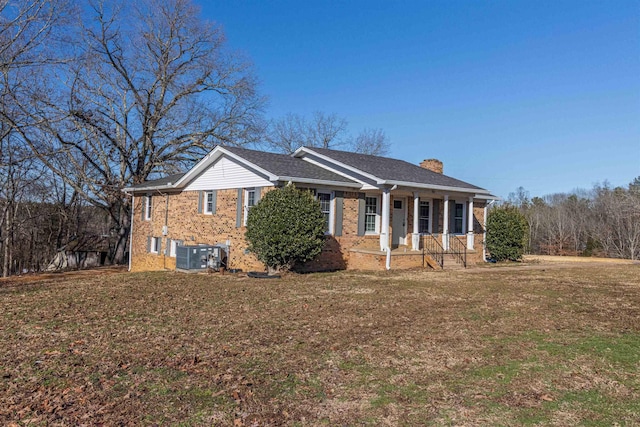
[(470, 238), (445, 224), (384, 227), (484, 233), (415, 237)]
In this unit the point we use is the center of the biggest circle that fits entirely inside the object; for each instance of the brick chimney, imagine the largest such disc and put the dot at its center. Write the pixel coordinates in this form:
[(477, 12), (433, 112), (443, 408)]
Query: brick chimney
[(433, 165)]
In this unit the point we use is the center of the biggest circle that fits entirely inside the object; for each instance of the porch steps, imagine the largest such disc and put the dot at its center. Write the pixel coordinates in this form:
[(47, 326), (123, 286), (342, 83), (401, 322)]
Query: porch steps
[(450, 263)]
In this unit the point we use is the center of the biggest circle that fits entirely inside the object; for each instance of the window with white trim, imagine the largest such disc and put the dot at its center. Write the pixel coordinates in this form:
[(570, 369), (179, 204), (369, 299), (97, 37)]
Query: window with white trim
[(458, 218), (155, 245), (174, 246), (324, 197), (423, 216), (371, 215), (208, 202), (148, 207), (249, 202)]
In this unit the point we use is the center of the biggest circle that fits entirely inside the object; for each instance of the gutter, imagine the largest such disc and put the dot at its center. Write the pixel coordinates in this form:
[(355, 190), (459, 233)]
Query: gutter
[(475, 191)]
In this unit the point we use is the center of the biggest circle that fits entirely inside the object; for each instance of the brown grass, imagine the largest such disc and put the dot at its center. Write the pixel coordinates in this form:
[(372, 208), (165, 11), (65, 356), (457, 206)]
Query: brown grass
[(523, 345)]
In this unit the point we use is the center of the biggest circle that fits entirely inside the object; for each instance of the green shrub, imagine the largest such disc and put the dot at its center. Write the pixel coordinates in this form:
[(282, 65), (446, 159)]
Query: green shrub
[(285, 227), (507, 231)]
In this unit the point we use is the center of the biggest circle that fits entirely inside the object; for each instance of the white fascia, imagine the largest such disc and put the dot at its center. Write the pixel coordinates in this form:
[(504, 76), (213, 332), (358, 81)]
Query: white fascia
[(302, 150), (487, 197), (474, 191), (321, 182), (131, 190)]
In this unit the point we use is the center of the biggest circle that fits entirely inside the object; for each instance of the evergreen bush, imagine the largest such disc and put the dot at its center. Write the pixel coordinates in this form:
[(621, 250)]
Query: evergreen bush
[(507, 231), (285, 227)]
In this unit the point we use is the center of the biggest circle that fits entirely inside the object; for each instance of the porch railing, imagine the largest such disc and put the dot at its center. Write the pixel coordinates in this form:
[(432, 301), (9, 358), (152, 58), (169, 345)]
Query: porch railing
[(431, 247), (458, 248)]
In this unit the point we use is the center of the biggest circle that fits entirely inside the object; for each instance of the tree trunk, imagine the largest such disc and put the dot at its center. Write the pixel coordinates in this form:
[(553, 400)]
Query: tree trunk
[(124, 227), (7, 230)]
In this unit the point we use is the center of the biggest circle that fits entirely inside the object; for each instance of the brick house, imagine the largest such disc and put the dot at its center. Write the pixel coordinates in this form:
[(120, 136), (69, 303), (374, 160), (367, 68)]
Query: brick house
[(381, 212)]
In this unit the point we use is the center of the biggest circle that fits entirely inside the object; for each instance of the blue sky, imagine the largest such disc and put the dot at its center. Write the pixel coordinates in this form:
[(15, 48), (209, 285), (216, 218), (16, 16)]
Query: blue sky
[(539, 94)]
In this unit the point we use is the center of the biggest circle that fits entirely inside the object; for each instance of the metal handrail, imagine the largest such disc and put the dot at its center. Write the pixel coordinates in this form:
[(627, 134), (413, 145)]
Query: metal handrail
[(433, 248), (458, 249)]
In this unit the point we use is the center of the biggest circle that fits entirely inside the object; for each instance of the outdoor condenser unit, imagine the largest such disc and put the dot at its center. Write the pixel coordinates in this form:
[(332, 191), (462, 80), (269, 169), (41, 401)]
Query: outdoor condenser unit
[(200, 257)]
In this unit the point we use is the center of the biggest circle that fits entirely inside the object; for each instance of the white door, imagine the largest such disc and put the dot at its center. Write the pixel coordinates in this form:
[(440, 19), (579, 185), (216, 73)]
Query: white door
[(399, 223)]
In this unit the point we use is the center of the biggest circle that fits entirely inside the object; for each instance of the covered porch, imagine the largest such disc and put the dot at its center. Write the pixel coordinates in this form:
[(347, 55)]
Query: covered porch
[(439, 222)]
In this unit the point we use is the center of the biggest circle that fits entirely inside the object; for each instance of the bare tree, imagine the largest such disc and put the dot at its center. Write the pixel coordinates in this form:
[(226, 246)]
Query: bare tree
[(326, 130), (604, 220), (287, 134), (371, 141), (152, 87)]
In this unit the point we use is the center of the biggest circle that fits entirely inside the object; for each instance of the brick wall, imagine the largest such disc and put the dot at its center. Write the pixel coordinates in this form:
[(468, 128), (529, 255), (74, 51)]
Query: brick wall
[(185, 223)]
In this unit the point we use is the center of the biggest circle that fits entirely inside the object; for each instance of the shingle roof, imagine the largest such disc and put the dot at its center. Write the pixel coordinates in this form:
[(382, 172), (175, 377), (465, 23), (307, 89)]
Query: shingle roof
[(392, 169), (160, 182), (285, 165)]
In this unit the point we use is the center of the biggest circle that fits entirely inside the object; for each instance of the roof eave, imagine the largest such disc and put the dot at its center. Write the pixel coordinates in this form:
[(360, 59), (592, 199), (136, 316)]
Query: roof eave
[(129, 190), (475, 191), (320, 182)]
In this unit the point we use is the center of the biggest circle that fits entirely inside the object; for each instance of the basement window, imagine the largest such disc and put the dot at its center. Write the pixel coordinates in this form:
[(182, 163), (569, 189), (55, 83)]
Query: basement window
[(154, 248)]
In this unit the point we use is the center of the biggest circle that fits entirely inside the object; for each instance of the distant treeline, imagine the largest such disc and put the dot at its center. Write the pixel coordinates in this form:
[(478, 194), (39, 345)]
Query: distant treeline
[(603, 221), (40, 220)]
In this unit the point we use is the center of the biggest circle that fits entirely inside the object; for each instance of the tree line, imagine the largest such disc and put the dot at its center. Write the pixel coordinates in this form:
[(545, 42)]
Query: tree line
[(98, 95), (602, 221)]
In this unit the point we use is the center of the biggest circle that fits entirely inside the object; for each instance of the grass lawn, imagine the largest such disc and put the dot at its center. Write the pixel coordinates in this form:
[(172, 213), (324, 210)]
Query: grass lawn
[(523, 345)]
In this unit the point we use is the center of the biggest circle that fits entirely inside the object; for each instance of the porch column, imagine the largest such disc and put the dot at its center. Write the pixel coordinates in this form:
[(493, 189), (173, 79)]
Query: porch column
[(445, 224), (484, 233), (384, 227), (415, 237), (470, 234)]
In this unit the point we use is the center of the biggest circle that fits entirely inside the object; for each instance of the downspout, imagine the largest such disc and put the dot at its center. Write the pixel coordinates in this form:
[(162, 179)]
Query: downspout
[(133, 199), (165, 230)]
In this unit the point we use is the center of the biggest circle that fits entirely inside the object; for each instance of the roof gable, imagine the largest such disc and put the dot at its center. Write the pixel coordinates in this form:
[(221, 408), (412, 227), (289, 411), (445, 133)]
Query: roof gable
[(385, 169), (309, 165)]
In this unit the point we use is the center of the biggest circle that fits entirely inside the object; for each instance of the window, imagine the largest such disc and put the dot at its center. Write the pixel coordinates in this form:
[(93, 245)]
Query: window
[(154, 247), (370, 214), (208, 202), (423, 217), (249, 202), (458, 218), (148, 206), (174, 246), (325, 206)]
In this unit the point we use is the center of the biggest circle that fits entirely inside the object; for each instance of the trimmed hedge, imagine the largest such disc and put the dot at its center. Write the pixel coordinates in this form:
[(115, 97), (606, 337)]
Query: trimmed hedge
[(285, 227), (507, 232)]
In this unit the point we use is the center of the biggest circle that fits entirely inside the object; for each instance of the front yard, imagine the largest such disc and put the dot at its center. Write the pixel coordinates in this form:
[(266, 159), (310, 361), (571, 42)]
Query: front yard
[(522, 345)]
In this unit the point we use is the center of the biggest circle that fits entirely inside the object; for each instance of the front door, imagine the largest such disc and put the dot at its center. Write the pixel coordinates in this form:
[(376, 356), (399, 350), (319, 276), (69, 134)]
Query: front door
[(399, 223)]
